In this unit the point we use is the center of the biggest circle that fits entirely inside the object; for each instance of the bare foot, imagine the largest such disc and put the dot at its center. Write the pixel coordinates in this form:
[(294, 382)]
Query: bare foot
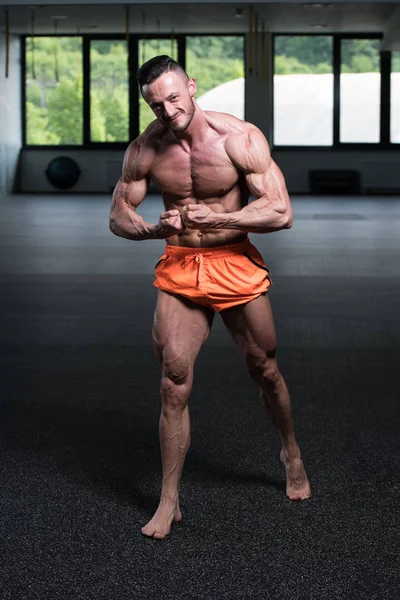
[(160, 525), (297, 484)]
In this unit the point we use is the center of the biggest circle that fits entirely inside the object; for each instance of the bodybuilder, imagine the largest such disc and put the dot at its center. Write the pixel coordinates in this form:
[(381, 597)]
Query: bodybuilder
[(206, 165)]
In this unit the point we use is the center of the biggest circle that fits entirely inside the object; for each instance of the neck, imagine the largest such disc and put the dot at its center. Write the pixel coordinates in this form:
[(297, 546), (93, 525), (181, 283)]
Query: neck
[(196, 130)]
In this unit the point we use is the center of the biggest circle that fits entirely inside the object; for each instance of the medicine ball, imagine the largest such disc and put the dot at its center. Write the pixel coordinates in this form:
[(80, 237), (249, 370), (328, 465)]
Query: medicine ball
[(62, 172)]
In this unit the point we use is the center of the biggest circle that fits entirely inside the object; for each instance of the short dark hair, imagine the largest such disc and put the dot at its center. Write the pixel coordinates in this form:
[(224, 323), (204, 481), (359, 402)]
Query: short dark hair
[(155, 67)]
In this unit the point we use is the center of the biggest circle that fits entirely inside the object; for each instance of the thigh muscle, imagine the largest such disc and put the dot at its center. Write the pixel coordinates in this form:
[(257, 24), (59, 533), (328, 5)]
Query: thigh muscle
[(180, 328), (252, 327)]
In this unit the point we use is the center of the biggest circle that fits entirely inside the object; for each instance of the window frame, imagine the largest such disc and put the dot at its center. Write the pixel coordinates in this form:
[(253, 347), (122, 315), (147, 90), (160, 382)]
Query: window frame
[(87, 141), (134, 40), (388, 58), (385, 70), (23, 95)]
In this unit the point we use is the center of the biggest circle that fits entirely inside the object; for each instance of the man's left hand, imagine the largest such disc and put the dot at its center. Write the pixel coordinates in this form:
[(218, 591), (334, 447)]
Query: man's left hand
[(198, 216)]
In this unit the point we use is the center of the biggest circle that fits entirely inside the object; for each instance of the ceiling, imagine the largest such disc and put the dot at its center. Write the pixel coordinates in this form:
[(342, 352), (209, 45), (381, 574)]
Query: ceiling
[(207, 17)]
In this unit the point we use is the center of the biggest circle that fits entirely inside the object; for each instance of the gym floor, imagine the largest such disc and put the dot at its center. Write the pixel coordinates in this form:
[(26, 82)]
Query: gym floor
[(80, 463)]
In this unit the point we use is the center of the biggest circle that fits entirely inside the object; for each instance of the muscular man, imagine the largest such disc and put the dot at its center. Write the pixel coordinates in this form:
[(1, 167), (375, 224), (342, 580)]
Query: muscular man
[(205, 164)]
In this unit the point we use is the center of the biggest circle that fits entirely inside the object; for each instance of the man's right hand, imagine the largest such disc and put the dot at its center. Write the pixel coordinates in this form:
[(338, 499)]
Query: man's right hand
[(170, 223)]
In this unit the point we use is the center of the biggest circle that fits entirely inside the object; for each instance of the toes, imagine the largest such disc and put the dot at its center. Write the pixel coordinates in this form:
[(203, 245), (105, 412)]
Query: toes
[(298, 497), (152, 532), (160, 525), (157, 535), (299, 494), (149, 529), (147, 532)]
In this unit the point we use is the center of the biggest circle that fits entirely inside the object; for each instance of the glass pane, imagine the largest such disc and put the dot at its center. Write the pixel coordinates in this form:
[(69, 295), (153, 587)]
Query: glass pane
[(303, 91), (360, 91), (109, 91), (217, 64), (395, 99), (148, 49), (54, 90)]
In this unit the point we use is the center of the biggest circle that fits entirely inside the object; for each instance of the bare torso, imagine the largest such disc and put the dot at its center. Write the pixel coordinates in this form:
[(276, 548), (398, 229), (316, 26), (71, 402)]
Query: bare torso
[(200, 174)]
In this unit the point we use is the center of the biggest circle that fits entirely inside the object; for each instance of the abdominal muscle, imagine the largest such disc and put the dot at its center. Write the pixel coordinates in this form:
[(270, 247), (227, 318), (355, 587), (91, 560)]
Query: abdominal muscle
[(206, 238)]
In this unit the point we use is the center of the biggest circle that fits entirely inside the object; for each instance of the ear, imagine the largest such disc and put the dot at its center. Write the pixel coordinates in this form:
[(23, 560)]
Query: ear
[(192, 86)]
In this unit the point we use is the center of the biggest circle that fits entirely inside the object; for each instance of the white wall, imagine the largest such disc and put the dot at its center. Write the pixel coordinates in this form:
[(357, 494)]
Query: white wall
[(10, 114)]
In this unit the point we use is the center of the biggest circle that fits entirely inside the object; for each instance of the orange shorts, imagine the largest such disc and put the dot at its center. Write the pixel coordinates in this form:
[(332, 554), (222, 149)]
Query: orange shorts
[(218, 277)]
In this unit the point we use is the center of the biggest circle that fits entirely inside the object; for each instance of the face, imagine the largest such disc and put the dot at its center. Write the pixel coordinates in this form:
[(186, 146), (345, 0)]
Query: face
[(170, 97)]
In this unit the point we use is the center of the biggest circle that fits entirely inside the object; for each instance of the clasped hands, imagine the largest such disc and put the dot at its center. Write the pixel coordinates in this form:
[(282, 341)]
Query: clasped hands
[(193, 216)]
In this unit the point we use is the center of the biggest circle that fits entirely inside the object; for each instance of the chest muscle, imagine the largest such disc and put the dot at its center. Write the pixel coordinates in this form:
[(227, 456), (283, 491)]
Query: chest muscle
[(202, 174)]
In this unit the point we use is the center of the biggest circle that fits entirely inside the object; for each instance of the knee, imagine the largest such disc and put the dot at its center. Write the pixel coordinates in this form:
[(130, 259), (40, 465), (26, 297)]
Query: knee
[(176, 384), (175, 372), (264, 371)]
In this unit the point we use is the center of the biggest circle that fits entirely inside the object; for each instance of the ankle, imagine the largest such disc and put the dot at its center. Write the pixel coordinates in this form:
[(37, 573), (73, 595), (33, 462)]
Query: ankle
[(292, 454), (169, 498)]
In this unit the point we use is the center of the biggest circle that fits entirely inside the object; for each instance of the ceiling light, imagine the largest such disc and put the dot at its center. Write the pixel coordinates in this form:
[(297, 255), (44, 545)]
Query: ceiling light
[(319, 25)]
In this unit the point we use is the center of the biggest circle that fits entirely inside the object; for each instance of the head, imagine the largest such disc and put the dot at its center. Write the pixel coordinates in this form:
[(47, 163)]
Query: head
[(168, 90)]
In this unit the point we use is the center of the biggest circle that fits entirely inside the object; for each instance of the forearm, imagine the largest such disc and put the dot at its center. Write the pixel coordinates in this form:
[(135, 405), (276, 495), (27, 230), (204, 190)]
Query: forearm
[(133, 227), (258, 217)]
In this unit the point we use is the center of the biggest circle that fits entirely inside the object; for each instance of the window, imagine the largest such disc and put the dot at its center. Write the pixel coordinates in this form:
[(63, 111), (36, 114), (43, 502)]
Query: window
[(303, 91), (360, 91), (395, 99), (148, 48), (217, 64), (54, 90), (307, 109), (109, 91)]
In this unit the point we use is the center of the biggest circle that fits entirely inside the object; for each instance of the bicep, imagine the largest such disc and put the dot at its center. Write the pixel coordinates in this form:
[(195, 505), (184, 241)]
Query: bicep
[(128, 194), (132, 186)]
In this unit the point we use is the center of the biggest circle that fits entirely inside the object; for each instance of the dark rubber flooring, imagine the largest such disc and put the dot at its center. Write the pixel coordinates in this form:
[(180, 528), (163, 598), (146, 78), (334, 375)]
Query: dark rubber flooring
[(80, 463)]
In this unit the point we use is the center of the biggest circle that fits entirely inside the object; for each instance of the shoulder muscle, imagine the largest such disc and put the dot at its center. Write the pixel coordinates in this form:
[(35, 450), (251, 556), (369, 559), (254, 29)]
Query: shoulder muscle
[(249, 150), (137, 161)]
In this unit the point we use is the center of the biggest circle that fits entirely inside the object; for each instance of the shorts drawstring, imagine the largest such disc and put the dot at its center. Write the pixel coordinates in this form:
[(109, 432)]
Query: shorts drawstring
[(199, 260)]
